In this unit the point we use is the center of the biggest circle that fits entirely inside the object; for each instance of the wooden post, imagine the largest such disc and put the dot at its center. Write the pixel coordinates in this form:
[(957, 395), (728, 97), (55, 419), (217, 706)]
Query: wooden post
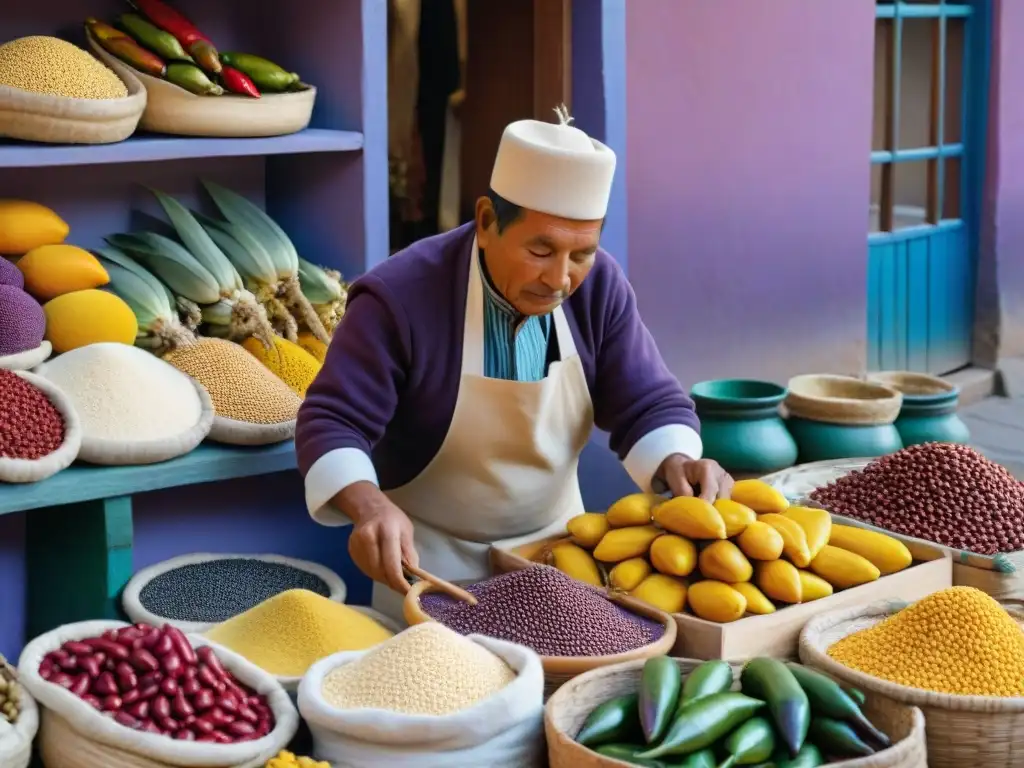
[(552, 57), (79, 557)]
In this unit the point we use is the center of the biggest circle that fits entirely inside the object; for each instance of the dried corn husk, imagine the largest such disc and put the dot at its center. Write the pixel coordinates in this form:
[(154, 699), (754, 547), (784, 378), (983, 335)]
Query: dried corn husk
[(326, 291)]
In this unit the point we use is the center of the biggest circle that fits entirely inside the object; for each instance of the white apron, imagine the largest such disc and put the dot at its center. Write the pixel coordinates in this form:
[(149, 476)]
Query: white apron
[(507, 469)]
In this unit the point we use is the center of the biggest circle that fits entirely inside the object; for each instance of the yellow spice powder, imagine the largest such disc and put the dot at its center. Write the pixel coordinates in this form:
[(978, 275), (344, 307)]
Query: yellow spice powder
[(958, 641), (288, 633), (240, 387), (288, 361)]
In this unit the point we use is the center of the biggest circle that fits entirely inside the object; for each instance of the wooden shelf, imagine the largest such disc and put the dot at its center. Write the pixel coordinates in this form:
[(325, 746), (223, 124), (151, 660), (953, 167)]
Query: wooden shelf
[(150, 148), (208, 463)]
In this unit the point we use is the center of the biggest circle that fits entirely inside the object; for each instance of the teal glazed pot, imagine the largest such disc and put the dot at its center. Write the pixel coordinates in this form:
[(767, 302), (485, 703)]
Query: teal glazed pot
[(741, 426), (929, 410), (820, 441)]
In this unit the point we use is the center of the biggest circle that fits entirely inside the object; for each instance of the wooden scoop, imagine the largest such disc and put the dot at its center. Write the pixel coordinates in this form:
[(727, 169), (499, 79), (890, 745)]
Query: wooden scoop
[(440, 584)]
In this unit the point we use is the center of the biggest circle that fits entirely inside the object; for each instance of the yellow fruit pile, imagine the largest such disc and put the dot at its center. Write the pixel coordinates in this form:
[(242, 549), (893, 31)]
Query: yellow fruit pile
[(725, 560), (288, 760)]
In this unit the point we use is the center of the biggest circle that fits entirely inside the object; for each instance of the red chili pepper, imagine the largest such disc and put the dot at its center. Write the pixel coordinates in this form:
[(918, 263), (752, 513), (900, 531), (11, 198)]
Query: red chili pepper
[(237, 81), (195, 42)]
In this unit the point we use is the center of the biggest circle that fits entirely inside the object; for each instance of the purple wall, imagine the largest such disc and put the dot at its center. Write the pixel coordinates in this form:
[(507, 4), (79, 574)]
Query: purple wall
[(1000, 323), (749, 133)]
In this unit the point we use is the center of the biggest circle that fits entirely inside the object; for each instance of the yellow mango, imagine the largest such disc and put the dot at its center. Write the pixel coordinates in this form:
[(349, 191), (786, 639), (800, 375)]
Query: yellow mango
[(723, 560), (587, 529), (53, 270), (716, 601), (627, 575), (759, 496), (691, 517), (623, 543), (88, 317), (735, 515), (794, 539), (576, 562), (761, 542), (843, 569), (666, 593), (817, 525), (757, 603), (886, 553), (673, 555), (25, 225), (813, 587), (779, 580), (634, 509)]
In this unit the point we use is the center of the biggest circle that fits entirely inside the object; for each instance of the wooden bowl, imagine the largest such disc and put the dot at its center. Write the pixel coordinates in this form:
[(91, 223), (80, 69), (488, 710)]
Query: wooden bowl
[(559, 669), (48, 119), (173, 110)]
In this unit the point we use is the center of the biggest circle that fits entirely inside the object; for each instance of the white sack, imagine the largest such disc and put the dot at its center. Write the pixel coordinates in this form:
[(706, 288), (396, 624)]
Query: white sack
[(505, 730), (16, 739), (188, 754)]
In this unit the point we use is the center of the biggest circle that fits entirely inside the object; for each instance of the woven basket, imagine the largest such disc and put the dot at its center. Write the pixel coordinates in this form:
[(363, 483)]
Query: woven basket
[(57, 120), (171, 109), (34, 470), (962, 730), (130, 598), (912, 383), (842, 400), (16, 748), (568, 709), (559, 669)]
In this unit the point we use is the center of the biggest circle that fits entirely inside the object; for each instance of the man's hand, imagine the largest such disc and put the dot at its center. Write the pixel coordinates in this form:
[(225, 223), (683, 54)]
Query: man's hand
[(382, 535), (682, 473)]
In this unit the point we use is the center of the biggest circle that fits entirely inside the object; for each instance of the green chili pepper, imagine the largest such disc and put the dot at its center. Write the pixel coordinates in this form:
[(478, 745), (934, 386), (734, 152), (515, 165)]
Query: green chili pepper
[(705, 721), (660, 684), (163, 43), (192, 79), (617, 720), (267, 75)]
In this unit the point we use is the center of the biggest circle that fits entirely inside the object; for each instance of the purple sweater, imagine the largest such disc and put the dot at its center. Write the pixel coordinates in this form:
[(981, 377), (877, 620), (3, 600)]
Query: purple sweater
[(389, 383)]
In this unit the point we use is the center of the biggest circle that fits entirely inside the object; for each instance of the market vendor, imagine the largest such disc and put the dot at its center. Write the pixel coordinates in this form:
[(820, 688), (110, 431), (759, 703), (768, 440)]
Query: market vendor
[(470, 369)]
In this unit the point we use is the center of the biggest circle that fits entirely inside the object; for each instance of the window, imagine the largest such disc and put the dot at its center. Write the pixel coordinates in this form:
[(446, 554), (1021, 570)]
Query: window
[(917, 142)]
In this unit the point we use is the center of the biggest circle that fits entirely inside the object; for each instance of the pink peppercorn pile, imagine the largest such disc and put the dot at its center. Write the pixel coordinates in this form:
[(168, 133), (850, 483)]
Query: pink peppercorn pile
[(940, 492), (30, 426)]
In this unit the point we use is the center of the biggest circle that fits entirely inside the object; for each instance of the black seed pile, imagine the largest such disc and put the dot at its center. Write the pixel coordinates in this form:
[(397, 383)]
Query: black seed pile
[(546, 610), (217, 590)]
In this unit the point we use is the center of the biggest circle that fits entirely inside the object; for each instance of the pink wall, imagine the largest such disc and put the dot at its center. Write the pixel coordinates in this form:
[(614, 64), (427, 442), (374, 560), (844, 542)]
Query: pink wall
[(1001, 283), (749, 128)]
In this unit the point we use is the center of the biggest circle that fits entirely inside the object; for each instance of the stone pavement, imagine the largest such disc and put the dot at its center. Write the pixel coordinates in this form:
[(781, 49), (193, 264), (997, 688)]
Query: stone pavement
[(997, 430)]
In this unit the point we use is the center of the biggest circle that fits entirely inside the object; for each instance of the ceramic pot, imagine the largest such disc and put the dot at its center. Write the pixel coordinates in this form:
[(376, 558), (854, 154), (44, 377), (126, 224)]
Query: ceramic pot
[(820, 441), (741, 426), (929, 410)]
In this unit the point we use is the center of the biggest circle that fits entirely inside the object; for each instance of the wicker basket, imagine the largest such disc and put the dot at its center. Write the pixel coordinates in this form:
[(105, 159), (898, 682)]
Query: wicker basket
[(173, 110), (962, 730), (559, 669), (842, 400), (567, 710), (58, 120)]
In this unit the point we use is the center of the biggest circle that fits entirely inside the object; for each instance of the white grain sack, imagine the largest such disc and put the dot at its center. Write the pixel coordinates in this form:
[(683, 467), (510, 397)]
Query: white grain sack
[(127, 399)]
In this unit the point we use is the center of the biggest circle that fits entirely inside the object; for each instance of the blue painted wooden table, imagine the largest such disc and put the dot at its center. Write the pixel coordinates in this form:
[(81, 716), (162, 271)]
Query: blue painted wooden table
[(79, 532)]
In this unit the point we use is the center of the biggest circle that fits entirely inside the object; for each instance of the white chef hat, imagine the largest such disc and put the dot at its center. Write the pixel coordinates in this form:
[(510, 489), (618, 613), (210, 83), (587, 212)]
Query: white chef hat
[(554, 168)]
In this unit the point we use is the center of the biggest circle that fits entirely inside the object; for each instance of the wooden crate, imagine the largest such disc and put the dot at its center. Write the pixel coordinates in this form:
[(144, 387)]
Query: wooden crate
[(776, 634)]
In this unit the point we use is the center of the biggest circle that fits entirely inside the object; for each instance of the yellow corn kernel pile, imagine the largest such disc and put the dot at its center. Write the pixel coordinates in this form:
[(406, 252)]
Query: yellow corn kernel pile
[(427, 670), (958, 641), (240, 387), (286, 759), (288, 633), (287, 360), (55, 67)]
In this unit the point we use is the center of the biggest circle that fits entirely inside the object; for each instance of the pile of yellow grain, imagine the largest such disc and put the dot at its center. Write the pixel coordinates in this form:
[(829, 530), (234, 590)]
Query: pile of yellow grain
[(288, 633), (240, 387), (958, 641), (55, 67), (287, 360)]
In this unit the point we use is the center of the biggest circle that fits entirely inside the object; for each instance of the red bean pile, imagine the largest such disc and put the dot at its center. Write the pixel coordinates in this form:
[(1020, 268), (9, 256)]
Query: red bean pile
[(30, 426), (546, 610), (948, 494), (153, 680)]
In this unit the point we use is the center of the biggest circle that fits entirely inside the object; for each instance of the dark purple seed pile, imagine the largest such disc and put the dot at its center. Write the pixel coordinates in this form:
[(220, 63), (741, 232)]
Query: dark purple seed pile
[(546, 610), (940, 492)]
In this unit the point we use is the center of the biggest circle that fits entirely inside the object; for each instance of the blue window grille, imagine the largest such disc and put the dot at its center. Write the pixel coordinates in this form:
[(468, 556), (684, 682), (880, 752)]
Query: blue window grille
[(921, 257)]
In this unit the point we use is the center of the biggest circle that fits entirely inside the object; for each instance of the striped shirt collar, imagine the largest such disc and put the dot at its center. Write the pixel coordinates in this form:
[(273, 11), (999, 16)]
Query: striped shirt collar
[(494, 296)]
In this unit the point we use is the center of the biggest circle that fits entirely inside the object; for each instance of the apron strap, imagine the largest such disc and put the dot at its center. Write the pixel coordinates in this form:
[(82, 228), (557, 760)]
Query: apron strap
[(473, 330)]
